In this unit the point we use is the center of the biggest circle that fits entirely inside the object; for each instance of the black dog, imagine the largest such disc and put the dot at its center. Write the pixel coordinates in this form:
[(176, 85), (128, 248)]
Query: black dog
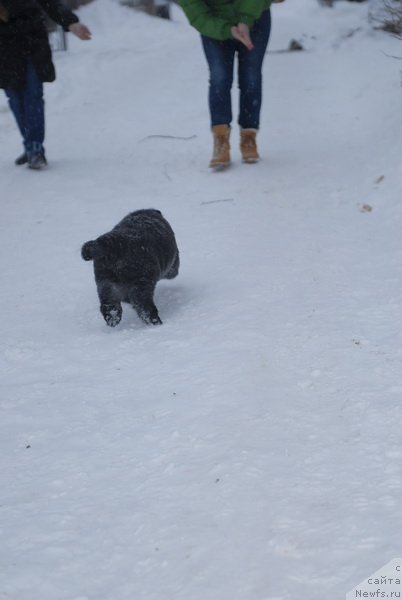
[(129, 260)]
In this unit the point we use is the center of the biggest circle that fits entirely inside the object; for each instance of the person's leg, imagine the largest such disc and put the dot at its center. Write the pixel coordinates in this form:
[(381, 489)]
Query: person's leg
[(27, 106), (16, 103), (34, 113), (220, 58), (250, 75)]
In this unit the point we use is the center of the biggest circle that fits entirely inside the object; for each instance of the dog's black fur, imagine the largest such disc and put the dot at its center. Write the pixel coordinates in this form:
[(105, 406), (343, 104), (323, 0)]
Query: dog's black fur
[(129, 260)]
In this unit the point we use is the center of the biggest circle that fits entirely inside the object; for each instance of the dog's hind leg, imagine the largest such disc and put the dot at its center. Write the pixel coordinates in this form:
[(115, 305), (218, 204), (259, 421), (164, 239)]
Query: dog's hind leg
[(110, 305), (141, 298), (174, 269)]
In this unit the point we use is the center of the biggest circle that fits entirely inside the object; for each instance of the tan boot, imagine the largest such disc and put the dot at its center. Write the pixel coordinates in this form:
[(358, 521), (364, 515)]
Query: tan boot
[(221, 156), (248, 145)]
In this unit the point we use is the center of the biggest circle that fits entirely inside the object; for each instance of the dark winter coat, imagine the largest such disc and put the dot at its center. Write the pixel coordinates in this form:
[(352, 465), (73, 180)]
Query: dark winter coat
[(24, 38)]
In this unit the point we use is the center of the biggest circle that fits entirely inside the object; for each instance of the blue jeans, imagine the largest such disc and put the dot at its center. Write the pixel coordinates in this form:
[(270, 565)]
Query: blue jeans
[(28, 107), (220, 57)]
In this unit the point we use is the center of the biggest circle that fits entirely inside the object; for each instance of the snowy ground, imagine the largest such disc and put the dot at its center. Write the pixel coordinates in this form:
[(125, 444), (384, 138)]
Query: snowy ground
[(250, 448)]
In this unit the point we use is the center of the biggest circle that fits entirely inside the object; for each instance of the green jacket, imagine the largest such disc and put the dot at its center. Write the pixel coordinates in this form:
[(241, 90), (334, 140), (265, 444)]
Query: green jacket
[(215, 18)]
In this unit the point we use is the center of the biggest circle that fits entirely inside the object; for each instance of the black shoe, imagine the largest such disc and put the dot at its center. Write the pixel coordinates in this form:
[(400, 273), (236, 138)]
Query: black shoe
[(21, 160), (37, 161)]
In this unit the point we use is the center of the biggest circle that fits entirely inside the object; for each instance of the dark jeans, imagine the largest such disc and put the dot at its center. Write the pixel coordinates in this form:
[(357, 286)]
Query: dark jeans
[(220, 56), (28, 107)]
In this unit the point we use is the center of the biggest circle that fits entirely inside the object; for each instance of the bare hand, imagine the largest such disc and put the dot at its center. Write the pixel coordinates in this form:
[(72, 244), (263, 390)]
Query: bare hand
[(242, 33), (80, 30)]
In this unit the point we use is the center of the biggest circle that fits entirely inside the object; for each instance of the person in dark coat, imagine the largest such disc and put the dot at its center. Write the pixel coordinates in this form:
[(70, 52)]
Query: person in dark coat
[(26, 62)]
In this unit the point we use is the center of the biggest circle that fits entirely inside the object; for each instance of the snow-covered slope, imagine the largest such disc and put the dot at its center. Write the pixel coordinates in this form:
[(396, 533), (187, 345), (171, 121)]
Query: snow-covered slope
[(249, 448)]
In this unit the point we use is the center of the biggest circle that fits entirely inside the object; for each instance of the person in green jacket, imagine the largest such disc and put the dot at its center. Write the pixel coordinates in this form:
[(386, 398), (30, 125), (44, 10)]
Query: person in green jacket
[(227, 28)]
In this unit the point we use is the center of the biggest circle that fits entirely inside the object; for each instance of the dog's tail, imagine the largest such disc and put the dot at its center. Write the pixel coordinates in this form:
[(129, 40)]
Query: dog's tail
[(110, 245)]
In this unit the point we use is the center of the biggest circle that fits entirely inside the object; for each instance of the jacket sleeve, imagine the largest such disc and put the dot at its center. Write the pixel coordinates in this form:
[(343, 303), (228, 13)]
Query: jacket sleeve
[(53, 8), (200, 17), (249, 11), (59, 13)]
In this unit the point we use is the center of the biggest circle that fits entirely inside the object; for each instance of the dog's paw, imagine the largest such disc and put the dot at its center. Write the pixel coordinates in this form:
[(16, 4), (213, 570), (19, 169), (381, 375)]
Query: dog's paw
[(149, 314), (155, 320), (88, 250), (112, 319), (111, 314), (150, 319)]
